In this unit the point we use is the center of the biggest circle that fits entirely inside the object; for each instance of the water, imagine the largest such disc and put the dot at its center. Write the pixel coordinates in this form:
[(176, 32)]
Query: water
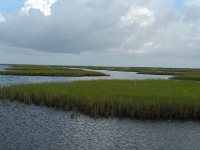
[(39, 128), (3, 67), (11, 79), (31, 127)]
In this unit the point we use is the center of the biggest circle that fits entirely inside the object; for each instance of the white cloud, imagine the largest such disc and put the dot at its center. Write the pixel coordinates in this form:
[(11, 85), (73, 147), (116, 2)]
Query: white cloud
[(138, 15), (93, 25), (43, 6), (2, 19)]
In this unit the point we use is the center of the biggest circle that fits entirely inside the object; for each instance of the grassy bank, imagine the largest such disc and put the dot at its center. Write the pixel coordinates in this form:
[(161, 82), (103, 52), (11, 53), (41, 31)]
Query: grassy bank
[(28, 70), (178, 73), (149, 99)]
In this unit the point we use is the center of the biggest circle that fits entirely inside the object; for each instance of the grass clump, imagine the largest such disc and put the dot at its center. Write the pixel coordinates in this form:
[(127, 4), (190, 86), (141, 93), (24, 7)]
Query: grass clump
[(148, 99), (31, 70)]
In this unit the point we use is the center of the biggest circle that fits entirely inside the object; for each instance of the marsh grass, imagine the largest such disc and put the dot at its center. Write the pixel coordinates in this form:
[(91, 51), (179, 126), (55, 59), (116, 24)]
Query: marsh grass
[(148, 99), (178, 73), (39, 70), (28, 70)]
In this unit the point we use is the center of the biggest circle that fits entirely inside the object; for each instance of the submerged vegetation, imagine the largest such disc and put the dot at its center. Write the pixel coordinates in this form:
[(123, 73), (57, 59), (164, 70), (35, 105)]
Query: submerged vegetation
[(148, 99), (178, 73), (28, 70)]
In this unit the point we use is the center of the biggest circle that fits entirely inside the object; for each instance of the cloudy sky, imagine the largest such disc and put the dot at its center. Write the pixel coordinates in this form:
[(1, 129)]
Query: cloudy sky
[(162, 33)]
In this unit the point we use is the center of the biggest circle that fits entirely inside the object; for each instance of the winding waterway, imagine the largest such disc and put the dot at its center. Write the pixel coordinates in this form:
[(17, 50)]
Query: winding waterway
[(27, 127), (12, 79)]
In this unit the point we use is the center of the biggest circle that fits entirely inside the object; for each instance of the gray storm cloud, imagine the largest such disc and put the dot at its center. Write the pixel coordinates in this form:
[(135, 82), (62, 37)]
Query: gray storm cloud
[(101, 25)]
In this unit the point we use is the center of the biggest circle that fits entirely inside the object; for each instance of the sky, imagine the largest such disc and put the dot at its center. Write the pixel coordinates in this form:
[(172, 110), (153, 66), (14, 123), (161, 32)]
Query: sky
[(148, 33)]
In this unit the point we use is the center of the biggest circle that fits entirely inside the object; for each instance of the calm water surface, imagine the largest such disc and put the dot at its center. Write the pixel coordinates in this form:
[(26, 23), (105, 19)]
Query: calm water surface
[(27, 127), (11, 79)]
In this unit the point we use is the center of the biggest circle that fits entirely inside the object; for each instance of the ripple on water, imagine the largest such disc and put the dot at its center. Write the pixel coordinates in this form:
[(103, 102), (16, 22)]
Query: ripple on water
[(31, 127)]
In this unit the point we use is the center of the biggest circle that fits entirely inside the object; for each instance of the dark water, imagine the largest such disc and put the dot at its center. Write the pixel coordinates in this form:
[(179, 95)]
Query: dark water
[(24, 127)]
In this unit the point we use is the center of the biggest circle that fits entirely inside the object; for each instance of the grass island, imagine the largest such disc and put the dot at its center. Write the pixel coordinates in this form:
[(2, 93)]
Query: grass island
[(144, 99)]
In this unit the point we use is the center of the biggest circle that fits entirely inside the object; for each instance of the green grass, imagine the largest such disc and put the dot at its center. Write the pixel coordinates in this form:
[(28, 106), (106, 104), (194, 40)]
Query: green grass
[(148, 99), (36, 70), (31, 70), (178, 73)]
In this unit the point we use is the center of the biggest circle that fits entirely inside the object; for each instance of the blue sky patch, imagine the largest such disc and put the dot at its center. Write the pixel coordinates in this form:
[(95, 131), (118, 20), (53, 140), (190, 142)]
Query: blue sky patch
[(179, 5), (10, 6)]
